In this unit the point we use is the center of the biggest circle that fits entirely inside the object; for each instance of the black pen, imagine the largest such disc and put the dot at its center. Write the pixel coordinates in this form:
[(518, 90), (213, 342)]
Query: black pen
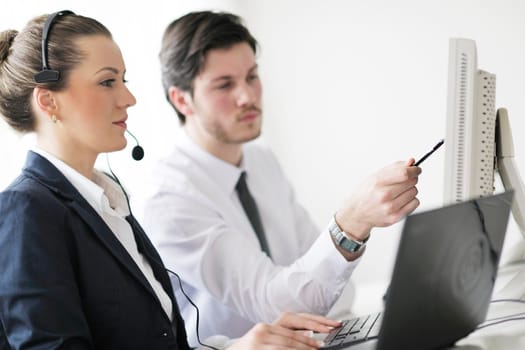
[(429, 153)]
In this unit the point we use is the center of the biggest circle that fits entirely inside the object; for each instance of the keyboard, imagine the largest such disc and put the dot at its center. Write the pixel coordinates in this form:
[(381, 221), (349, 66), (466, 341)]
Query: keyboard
[(353, 331)]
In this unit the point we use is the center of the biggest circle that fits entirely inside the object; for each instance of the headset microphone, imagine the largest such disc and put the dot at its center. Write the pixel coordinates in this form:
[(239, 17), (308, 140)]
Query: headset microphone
[(138, 152)]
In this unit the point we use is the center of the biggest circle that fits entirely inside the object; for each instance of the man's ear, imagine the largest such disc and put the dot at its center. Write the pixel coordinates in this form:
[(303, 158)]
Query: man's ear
[(181, 100), (45, 100)]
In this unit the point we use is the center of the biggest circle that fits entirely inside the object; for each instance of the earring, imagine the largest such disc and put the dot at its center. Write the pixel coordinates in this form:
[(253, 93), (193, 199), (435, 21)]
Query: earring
[(54, 118)]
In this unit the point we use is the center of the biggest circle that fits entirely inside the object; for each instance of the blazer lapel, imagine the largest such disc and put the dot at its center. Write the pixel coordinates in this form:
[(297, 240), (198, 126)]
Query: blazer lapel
[(41, 170), (108, 238), (146, 248)]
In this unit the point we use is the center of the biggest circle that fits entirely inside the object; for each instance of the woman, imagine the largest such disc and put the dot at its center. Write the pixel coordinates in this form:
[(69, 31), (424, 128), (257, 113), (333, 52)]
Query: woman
[(76, 269)]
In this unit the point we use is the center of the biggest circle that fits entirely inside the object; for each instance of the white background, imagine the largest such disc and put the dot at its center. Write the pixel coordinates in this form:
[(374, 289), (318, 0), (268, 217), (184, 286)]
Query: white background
[(349, 86)]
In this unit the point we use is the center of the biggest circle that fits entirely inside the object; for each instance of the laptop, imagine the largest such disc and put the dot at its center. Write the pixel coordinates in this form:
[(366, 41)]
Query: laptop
[(442, 280)]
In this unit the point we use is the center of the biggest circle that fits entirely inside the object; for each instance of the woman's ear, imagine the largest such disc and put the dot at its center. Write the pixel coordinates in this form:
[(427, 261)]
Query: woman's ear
[(181, 100), (45, 101)]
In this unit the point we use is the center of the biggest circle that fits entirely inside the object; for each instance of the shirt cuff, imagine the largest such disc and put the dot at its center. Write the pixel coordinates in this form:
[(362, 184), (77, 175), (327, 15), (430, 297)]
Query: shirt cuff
[(326, 263)]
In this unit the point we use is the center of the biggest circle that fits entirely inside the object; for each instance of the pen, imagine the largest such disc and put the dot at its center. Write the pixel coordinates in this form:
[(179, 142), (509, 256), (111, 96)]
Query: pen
[(429, 153)]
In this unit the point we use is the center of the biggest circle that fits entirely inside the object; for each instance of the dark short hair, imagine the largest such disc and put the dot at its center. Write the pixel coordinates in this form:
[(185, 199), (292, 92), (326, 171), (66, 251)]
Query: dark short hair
[(187, 40), (21, 58)]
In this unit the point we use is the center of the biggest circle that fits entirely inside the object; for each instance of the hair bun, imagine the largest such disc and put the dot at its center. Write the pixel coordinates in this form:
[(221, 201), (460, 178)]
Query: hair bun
[(6, 39)]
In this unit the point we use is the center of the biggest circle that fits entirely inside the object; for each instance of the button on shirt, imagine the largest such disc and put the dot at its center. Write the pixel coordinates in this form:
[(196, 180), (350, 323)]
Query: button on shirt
[(108, 200), (194, 217)]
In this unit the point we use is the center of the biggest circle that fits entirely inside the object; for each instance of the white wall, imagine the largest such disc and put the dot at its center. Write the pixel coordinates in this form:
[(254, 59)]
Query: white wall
[(349, 86)]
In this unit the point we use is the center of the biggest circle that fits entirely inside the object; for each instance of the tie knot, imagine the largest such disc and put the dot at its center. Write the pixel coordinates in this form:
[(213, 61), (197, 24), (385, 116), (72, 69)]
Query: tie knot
[(241, 183)]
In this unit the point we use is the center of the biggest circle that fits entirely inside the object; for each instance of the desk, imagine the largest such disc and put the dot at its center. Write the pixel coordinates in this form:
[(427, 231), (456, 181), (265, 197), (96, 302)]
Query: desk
[(510, 284), (504, 336)]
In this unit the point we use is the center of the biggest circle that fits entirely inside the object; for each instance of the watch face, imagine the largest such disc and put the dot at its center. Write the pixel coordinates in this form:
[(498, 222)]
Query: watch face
[(348, 244), (351, 246)]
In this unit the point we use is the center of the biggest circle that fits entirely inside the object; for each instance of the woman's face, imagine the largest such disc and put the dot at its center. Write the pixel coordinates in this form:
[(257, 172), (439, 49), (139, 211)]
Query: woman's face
[(93, 108)]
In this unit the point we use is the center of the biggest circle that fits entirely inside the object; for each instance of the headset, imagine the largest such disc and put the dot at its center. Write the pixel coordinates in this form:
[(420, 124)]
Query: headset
[(47, 74)]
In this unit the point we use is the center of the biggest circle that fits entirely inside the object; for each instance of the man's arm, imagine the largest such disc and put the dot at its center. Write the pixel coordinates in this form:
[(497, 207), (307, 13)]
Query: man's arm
[(382, 200), (215, 257)]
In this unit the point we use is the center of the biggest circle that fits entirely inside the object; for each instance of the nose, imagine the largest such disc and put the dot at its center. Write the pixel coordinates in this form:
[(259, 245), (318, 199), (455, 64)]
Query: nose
[(127, 99), (246, 95)]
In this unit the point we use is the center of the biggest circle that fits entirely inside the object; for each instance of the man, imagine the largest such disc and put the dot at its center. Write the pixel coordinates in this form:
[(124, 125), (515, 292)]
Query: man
[(222, 212)]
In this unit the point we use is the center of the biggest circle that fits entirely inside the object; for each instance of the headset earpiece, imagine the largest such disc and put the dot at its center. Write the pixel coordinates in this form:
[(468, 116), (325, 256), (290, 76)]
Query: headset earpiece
[(47, 74)]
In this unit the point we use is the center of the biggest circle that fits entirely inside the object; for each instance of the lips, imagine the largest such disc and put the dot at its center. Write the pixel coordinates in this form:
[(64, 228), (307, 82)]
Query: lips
[(121, 123), (250, 116)]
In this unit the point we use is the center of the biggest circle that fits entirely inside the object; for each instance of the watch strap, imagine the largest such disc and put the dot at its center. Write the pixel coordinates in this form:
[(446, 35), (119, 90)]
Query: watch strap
[(344, 240)]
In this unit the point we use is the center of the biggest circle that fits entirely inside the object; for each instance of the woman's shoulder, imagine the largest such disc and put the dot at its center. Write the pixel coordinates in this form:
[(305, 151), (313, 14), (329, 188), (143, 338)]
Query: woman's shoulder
[(26, 193)]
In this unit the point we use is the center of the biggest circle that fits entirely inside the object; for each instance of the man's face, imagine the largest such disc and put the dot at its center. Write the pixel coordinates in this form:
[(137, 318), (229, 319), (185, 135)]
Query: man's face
[(226, 101)]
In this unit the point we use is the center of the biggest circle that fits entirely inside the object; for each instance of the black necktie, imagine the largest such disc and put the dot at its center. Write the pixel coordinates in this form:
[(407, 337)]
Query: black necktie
[(250, 208)]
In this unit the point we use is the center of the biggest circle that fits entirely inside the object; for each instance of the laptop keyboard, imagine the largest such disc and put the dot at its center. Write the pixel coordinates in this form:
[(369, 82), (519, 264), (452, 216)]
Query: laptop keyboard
[(355, 330)]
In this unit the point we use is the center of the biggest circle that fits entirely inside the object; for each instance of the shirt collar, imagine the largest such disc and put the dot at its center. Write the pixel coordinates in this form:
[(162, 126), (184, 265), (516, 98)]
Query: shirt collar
[(114, 191), (95, 191), (225, 174)]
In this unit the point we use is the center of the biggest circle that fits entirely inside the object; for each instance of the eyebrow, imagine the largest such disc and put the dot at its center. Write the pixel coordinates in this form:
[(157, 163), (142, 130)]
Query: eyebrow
[(111, 69), (228, 77)]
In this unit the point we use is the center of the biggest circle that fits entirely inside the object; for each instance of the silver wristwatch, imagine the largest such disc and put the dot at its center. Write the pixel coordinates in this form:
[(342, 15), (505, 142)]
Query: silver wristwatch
[(343, 240)]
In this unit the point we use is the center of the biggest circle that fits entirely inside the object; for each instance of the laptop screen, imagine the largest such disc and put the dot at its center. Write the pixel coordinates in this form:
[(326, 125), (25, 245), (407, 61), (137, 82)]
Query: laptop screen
[(444, 273)]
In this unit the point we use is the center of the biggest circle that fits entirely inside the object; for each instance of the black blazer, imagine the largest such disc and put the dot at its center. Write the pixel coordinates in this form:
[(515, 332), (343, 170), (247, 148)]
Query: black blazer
[(66, 281)]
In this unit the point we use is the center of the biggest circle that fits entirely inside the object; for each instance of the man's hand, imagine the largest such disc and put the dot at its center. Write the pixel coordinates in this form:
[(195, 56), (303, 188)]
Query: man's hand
[(289, 331), (387, 197), (303, 321)]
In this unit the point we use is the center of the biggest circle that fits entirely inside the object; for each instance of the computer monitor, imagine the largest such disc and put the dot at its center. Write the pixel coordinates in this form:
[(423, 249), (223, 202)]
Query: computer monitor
[(478, 140), (471, 125)]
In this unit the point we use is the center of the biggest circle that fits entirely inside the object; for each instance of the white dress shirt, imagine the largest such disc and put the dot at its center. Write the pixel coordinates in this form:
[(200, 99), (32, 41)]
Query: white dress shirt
[(108, 200), (194, 217)]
